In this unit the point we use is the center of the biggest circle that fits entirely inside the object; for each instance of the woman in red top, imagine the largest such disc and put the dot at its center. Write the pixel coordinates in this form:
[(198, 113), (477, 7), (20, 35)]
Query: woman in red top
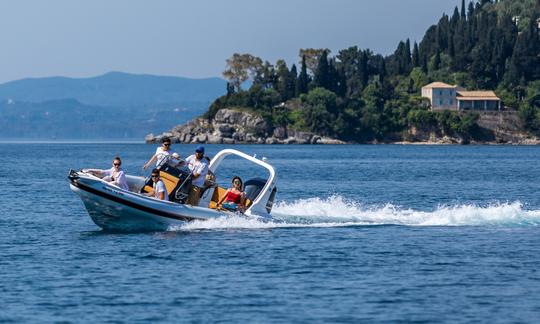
[(234, 197)]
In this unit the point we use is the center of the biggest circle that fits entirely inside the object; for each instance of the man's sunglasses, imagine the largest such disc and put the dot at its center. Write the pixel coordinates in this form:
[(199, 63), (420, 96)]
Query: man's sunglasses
[(116, 164), (166, 144), (155, 175)]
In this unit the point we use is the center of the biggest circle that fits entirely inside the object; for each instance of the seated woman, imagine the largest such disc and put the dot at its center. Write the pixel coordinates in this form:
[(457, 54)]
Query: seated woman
[(114, 175), (234, 197)]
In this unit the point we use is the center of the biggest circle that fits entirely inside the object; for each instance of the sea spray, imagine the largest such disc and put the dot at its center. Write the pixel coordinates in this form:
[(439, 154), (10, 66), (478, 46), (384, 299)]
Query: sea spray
[(336, 211)]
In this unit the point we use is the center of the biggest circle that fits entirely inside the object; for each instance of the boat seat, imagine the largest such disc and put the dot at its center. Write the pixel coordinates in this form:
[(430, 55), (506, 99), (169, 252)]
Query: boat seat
[(169, 181), (219, 193)]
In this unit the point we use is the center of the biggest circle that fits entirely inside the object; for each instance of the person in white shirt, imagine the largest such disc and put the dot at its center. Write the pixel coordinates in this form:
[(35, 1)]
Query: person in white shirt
[(161, 154), (198, 166), (114, 175), (158, 187)]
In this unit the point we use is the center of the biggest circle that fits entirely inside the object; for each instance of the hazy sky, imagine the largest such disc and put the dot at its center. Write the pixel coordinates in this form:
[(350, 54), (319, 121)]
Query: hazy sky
[(193, 38)]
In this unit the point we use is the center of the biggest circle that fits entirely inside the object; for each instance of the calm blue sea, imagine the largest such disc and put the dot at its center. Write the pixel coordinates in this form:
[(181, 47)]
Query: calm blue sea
[(365, 233)]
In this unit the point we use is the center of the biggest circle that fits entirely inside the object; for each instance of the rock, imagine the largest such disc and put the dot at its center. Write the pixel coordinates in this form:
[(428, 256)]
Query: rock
[(330, 141), (301, 137), (290, 140), (280, 133), (238, 136), (201, 138), (315, 139), (226, 130), (232, 127), (149, 138), (213, 139), (249, 138), (244, 119)]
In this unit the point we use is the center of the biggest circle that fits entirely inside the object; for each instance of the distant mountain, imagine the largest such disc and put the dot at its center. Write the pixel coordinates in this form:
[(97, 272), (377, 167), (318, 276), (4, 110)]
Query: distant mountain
[(113, 105), (115, 89)]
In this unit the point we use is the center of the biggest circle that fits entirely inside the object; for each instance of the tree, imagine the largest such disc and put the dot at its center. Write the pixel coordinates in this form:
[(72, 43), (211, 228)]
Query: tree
[(437, 61), (292, 81), (312, 57), (415, 56), (322, 73), (265, 75), (315, 114), (285, 83), (303, 78), (240, 67)]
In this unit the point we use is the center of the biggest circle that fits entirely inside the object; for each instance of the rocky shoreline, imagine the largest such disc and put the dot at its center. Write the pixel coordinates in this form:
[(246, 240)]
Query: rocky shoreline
[(238, 127), (230, 126)]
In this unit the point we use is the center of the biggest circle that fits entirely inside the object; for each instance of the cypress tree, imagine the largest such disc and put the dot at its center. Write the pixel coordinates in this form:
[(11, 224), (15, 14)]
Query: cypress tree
[(303, 79), (470, 10), (455, 18), (322, 73), (283, 80), (382, 71), (437, 61), (415, 56), (292, 82), (363, 68), (424, 63), (463, 14), (407, 57)]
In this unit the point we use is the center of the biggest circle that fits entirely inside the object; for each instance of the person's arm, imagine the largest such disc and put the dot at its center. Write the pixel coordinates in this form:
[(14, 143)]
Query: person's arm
[(152, 159), (242, 205), (98, 172), (161, 195), (119, 179), (181, 163), (197, 173), (223, 198)]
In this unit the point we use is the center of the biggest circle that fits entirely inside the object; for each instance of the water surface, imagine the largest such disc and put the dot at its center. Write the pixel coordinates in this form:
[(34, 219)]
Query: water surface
[(372, 233)]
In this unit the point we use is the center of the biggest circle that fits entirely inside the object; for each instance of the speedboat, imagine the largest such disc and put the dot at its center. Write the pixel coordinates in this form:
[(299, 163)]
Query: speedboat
[(113, 208)]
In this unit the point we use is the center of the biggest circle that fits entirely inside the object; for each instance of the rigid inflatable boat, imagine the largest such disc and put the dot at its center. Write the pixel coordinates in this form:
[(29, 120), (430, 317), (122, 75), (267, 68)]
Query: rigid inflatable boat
[(113, 208)]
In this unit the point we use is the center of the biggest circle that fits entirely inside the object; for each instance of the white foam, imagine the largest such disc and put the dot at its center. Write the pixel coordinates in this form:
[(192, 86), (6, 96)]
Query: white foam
[(336, 211)]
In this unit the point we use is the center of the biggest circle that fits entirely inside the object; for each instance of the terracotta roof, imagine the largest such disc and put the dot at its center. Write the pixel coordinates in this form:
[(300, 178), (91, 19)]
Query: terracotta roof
[(477, 95), (438, 85)]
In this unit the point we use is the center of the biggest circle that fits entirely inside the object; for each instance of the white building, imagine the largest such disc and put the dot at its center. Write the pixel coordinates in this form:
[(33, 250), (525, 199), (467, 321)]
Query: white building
[(443, 96)]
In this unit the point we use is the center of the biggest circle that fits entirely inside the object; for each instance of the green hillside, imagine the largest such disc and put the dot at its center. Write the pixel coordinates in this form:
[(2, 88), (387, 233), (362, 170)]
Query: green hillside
[(358, 95)]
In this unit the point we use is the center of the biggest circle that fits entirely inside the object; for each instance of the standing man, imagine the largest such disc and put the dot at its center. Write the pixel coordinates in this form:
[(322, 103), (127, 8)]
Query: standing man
[(161, 153), (199, 168)]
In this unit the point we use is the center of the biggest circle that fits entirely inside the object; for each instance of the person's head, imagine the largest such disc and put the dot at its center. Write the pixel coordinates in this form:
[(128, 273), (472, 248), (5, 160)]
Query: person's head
[(155, 175), (166, 142), (117, 162), (199, 152), (237, 182)]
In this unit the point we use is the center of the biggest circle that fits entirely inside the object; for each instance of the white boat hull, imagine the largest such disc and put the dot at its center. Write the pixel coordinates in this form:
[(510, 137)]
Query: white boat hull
[(112, 208)]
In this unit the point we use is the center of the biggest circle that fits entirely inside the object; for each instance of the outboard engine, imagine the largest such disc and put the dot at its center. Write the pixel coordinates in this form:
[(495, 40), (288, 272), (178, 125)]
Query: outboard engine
[(253, 187)]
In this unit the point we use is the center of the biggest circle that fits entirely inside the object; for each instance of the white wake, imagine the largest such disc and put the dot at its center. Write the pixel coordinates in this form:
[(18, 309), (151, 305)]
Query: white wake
[(336, 211)]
